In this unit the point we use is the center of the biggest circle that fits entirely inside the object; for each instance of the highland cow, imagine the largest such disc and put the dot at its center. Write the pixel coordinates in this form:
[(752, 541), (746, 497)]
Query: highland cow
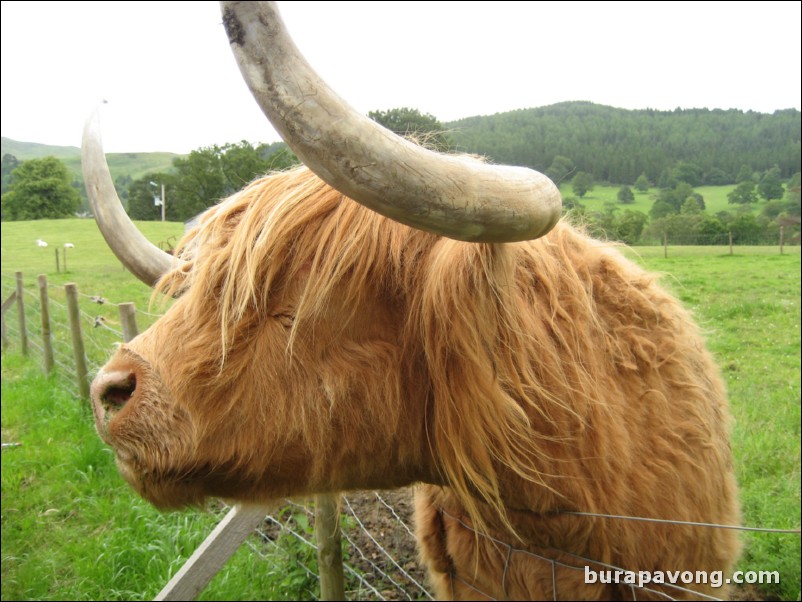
[(317, 345)]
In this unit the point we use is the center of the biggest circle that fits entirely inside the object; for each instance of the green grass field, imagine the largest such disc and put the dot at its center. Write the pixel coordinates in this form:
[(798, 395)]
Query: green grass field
[(72, 529), (715, 198)]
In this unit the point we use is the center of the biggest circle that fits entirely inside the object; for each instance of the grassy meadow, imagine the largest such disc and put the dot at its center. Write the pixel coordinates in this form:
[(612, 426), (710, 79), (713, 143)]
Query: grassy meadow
[(72, 529), (715, 198)]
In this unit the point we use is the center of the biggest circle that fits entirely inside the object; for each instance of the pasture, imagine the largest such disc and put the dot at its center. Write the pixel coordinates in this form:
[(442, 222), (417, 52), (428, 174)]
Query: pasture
[(715, 198), (72, 529)]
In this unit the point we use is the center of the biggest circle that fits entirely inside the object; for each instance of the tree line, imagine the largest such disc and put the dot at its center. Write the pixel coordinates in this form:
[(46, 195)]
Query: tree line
[(617, 145), (42, 188)]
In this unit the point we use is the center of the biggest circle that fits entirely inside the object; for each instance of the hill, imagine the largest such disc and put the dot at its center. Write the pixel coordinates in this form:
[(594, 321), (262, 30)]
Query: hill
[(34, 150), (133, 165), (613, 145), (617, 145)]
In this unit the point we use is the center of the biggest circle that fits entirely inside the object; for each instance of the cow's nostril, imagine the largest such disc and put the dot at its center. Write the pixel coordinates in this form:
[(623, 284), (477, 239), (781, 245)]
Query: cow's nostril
[(116, 395)]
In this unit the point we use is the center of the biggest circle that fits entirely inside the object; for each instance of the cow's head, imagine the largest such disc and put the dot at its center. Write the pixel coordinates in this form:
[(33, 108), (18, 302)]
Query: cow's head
[(296, 355)]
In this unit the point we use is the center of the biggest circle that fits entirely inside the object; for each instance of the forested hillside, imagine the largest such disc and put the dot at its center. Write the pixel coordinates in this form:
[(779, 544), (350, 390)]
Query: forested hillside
[(666, 155), (618, 145)]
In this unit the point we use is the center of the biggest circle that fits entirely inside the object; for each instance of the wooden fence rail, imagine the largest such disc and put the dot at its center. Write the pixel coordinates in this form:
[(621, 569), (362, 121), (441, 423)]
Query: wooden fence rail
[(240, 521)]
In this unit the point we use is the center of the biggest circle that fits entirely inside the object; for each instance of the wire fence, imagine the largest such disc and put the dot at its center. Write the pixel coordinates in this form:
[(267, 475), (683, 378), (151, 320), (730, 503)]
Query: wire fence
[(380, 560), (771, 243), (379, 549)]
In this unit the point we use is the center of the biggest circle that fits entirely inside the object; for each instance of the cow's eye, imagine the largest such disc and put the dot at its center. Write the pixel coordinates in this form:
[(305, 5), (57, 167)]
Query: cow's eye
[(285, 318)]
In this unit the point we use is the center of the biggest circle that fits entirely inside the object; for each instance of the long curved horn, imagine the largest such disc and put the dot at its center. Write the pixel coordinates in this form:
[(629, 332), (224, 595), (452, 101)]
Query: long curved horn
[(145, 260), (453, 196)]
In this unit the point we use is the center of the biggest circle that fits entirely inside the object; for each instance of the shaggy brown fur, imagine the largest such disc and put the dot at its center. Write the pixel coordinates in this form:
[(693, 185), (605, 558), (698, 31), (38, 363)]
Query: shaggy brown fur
[(317, 346)]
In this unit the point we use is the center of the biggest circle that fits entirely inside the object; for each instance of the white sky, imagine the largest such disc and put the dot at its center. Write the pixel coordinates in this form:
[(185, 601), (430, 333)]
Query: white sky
[(172, 84)]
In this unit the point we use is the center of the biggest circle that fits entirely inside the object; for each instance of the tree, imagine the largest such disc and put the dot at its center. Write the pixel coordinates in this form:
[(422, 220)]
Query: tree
[(793, 185), (121, 184), (278, 156), (770, 187), (582, 183), (642, 183), (141, 198), (630, 226), (716, 177), (625, 195), (198, 182), (561, 167), (680, 194), (690, 206), (572, 205), (743, 193), (792, 195), (746, 229), (745, 173), (40, 189), (687, 172), (423, 127), (240, 163), (676, 196), (10, 163), (711, 231), (661, 209), (206, 176), (667, 180)]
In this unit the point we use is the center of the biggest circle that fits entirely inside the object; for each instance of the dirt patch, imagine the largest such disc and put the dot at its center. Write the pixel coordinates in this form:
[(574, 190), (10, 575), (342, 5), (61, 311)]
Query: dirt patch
[(379, 529), (379, 549)]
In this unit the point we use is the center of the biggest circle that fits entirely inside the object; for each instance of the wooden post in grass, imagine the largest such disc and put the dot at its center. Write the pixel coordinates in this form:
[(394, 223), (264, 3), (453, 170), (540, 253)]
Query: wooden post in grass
[(730, 234), (128, 321), (23, 333), (47, 339), (329, 548), (58, 266), (6, 306), (782, 240), (665, 245), (74, 312)]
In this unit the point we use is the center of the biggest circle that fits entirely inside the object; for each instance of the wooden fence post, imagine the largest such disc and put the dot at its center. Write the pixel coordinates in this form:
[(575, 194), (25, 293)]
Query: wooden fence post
[(128, 321), (74, 312), (47, 339), (782, 240), (665, 245), (23, 333), (730, 235), (6, 306), (329, 548), (58, 266)]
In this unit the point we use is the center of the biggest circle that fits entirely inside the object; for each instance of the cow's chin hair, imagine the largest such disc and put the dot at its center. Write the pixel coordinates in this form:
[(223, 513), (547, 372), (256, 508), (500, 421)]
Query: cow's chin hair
[(164, 494), (195, 487)]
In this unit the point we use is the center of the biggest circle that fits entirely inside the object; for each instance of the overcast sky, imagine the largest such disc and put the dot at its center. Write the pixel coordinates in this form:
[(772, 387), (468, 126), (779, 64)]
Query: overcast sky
[(171, 82)]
